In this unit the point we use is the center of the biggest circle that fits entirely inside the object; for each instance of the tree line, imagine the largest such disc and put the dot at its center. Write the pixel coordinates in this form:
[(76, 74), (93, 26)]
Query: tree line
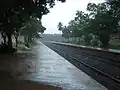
[(95, 27), (22, 16)]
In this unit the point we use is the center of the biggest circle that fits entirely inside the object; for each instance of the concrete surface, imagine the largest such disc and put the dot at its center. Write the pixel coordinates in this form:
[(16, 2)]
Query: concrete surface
[(54, 70)]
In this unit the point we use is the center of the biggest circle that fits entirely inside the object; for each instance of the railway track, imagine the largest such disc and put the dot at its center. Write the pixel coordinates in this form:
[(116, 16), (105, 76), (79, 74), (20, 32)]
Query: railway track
[(112, 61), (70, 55), (115, 63)]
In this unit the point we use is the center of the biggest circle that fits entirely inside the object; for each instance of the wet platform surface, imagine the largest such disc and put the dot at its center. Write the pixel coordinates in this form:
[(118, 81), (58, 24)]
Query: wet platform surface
[(52, 69), (42, 66)]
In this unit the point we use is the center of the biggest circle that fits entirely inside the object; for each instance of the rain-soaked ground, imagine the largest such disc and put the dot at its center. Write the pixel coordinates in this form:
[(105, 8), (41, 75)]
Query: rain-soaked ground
[(39, 67)]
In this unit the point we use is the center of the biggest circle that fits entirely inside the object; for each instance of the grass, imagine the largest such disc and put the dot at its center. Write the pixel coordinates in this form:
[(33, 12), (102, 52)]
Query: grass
[(111, 46), (114, 47)]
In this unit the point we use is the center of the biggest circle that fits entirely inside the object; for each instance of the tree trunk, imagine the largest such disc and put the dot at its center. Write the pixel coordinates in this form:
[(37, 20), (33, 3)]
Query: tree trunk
[(25, 39), (105, 41), (16, 39), (4, 38), (9, 41), (29, 39), (79, 40)]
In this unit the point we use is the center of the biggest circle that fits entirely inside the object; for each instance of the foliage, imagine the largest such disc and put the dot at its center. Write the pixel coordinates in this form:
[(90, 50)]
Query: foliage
[(15, 13), (32, 30), (114, 47), (65, 32), (60, 26), (95, 27)]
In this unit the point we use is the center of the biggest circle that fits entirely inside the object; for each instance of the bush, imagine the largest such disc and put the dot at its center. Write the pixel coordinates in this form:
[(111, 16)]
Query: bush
[(27, 45), (114, 47)]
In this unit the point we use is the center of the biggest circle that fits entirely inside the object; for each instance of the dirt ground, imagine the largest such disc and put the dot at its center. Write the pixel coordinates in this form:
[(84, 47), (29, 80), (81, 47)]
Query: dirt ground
[(25, 85), (14, 66)]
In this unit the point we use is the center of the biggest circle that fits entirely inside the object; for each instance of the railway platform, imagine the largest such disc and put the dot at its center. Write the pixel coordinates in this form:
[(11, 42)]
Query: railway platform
[(52, 69), (43, 69)]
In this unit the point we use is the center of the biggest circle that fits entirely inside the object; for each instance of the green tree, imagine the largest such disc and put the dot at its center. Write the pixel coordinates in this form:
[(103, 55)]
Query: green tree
[(60, 26), (32, 30), (66, 32), (96, 26), (23, 10), (102, 24)]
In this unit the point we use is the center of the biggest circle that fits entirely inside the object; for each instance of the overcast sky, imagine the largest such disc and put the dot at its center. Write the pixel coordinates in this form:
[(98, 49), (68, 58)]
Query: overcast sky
[(64, 12)]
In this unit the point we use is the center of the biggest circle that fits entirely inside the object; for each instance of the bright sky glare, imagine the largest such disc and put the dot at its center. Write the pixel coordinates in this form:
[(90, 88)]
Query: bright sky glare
[(64, 12)]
